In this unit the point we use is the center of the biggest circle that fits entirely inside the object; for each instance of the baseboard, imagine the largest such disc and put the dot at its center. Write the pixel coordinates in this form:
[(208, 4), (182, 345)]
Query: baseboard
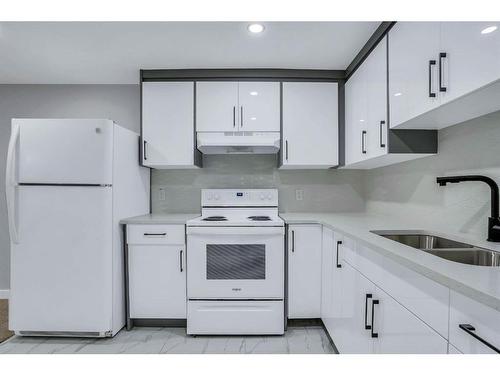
[(4, 293)]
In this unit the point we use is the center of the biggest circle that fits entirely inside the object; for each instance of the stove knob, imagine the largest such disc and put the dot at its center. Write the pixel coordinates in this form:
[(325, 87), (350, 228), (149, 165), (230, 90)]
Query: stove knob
[(262, 196), (216, 196), (269, 196), (210, 196)]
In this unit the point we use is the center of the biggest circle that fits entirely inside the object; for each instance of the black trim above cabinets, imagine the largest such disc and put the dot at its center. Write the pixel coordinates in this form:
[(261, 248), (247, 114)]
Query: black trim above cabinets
[(376, 37), (308, 75)]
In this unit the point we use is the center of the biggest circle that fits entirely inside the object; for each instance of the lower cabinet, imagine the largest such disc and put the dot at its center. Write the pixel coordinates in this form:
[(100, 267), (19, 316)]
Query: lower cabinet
[(394, 329), (304, 271), (157, 272), (370, 321), (474, 327)]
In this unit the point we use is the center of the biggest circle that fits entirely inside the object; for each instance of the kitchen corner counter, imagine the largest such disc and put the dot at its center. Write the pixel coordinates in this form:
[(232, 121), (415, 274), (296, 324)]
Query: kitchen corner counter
[(159, 219), (477, 282)]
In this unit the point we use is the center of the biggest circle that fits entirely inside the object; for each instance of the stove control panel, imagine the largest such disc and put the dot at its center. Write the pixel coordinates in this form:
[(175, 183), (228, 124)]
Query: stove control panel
[(239, 197)]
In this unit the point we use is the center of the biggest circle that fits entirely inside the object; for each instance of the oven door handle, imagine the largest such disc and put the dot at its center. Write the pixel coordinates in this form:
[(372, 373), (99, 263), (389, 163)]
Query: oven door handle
[(236, 231)]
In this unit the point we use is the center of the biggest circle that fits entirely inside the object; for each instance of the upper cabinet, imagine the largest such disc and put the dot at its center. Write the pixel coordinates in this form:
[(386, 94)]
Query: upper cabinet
[(237, 106), (366, 108), (413, 70), (168, 125), (369, 143), (310, 125), (442, 73)]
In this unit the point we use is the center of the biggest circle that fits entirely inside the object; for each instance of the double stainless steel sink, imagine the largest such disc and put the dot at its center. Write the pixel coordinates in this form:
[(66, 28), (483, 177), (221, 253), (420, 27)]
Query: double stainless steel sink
[(443, 247)]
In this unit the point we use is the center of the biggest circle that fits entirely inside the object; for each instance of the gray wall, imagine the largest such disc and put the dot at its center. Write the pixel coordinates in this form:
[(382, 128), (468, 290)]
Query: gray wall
[(118, 102), (324, 190), (410, 188)]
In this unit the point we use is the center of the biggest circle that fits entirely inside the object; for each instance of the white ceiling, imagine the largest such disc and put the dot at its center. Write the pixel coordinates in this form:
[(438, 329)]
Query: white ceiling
[(113, 52)]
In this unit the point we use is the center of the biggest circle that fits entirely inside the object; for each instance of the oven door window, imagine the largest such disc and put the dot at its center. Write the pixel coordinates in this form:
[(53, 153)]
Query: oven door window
[(236, 262)]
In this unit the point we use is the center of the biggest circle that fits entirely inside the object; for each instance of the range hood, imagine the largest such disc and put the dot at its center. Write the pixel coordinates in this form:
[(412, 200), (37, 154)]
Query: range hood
[(238, 142)]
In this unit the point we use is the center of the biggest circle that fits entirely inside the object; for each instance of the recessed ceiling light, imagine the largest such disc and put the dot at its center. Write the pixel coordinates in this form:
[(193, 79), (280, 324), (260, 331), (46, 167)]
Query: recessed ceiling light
[(398, 94), (254, 93), (255, 28), (253, 118), (489, 29), (361, 120)]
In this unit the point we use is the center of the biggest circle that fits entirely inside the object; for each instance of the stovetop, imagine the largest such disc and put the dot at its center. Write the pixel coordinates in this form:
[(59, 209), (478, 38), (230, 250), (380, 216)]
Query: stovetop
[(237, 217), (232, 207)]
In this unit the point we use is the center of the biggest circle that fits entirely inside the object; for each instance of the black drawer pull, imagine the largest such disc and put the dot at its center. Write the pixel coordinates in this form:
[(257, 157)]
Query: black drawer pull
[(180, 260), (155, 234), (431, 94), (374, 302), (442, 56), (338, 244), (382, 144), (470, 330), (367, 297)]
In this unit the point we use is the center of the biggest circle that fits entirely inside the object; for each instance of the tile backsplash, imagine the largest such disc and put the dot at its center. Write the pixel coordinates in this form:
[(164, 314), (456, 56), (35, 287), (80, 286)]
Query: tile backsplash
[(323, 190)]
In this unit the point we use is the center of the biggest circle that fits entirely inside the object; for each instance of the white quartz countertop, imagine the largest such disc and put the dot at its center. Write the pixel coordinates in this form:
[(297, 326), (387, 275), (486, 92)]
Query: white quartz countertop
[(477, 282), (159, 219)]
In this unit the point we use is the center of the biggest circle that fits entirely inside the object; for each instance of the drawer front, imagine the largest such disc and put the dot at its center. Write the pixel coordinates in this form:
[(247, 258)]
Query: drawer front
[(235, 317), (154, 234), (484, 319), (425, 298)]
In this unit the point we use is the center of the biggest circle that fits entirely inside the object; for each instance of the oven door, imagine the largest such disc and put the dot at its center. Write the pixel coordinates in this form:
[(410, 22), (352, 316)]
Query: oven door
[(235, 262)]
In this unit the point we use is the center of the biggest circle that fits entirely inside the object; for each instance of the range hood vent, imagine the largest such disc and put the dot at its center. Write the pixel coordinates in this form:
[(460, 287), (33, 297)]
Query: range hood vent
[(238, 142)]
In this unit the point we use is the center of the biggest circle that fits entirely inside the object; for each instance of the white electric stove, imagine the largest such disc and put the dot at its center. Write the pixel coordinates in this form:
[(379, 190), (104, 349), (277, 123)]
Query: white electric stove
[(236, 262)]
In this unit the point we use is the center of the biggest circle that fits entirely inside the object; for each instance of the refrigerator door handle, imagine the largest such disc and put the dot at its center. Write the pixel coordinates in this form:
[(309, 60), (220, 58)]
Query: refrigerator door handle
[(10, 184)]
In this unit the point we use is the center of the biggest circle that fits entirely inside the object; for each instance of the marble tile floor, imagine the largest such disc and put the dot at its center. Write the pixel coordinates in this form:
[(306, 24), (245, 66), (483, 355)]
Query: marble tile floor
[(158, 340)]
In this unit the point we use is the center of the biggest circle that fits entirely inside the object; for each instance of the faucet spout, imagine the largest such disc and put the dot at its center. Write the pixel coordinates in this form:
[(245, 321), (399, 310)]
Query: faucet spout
[(494, 220)]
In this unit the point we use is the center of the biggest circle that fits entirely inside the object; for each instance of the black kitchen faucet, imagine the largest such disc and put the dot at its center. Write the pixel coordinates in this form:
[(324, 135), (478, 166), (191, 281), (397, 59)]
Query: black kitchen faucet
[(494, 220)]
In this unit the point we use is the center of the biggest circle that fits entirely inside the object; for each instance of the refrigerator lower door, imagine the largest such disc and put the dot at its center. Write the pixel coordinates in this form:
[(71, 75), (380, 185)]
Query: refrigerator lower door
[(61, 267), (65, 151)]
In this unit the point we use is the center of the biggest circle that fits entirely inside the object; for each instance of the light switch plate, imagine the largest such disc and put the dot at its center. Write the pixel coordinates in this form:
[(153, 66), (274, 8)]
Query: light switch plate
[(299, 194), (161, 194)]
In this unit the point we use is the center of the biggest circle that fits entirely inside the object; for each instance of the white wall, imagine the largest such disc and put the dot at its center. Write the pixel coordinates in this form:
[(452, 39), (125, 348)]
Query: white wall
[(410, 188), (117, 102)]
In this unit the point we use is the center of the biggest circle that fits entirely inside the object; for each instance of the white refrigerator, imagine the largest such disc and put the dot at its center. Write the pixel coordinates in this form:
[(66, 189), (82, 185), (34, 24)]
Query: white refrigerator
[(68, 184)]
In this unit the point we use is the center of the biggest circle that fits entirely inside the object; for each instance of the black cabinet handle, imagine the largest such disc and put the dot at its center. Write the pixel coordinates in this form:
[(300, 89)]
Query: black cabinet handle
[(363, 136), (234, 116), (374, 334), (286, 150), (293, 241), (442, 56), (382, 123), (145, 156), (156, 234), (180, 260), (367, 297), (241, 117), (338, 264), (470, 330), (431, 94)]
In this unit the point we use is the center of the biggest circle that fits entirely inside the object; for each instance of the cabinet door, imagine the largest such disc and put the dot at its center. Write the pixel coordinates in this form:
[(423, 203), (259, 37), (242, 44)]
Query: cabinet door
[(217, 106), (376, 92), (399, 331), (259, 106), (356, 117), (310, 124), (348, 331), (413, 69), (472, 58), (304, 271), (327, 259), (168, 123), (157, 281), (475, 318)]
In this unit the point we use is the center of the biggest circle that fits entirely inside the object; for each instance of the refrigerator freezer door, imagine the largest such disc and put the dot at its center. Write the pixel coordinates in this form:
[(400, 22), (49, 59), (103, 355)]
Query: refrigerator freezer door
[(65, 151), (61, 268)]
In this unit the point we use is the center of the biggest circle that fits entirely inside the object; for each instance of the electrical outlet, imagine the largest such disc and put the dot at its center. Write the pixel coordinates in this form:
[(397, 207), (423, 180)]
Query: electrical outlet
[(299, 194), (161, 194)]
